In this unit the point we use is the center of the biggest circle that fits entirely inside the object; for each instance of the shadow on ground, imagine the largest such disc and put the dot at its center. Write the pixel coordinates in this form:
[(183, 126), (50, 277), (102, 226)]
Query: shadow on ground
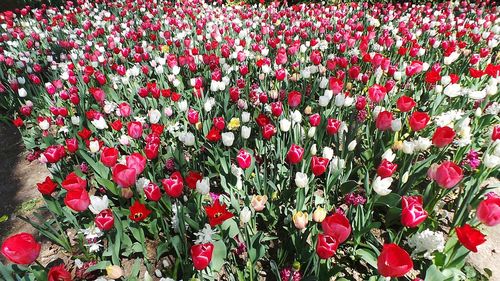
[(18, 178)]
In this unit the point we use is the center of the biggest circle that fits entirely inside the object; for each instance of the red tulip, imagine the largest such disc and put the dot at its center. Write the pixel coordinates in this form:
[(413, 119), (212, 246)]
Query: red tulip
[(315, 57), (74, 182), (413, 213), (134, 129), (376, 93), (109, 156), (336, 84), (193, 116), (47, 186), (21, 248), (295, 154), (294, 98), (326, 246), (495, 134), (58, 273), (105, 220), (386, 169), (470, 237), (72, 145), (443, 136), (217, 213), (214, 135), (384, 120), (174, 185), (219, 123), (337, 226), (152, 192), (394, 261), (315, 120), (488, 211), (202, 255), (54, 153), (124, 176), (137, 162), (318, 165), (77, 199), (244, 159), (405, 103), (418, 120), (276, 108), (268, 131), (447, 175), (332, 126), (138, 212)]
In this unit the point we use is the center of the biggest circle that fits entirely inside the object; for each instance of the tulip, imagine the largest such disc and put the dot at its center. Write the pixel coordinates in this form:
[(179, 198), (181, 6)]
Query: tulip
[(319, 214), (443, 136), (413, 213), (259, 202), (394, 261), (381, 186), (301, 179), (77, 199), (202, 255), (21, 248), (326, 246), (174, 185), (124, 176), (134, 129), (447, 175), (300, 220), (418, 120), (488, 210), (105, 220), (386, 169), (227, 138), (114, 272), (152, 192), (318, 165), (47, 187), (137, 162), (295, 154), (109, 156), (138, 212), (470, 237), (203, 186), (244, 159), (337, 226)]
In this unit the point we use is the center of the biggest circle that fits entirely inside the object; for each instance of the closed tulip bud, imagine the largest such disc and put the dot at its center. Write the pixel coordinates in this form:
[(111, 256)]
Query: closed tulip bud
[(259, 202), (301, 179), (319, 215), (227, 138), (308, 110), (352, 145), (245, 215), (300, 220), (285, 125), (245, 132), (203, 186)]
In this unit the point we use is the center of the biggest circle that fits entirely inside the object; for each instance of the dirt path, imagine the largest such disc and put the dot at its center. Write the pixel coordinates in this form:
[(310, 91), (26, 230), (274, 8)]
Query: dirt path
[(18, 178)]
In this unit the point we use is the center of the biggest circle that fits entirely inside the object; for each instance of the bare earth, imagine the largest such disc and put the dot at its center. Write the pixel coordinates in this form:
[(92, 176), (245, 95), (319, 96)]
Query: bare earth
[(19, 196)]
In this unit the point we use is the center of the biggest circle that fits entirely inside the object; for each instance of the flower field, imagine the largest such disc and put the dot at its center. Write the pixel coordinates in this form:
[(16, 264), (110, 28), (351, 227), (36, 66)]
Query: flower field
[(208, 141)]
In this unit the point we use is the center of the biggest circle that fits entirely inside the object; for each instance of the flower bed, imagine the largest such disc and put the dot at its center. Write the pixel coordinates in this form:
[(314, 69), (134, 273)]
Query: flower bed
[(245, 143)]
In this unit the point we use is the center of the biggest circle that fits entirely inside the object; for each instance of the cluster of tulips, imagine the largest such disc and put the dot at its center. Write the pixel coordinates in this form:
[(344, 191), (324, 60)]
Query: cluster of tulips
[(209, 141)]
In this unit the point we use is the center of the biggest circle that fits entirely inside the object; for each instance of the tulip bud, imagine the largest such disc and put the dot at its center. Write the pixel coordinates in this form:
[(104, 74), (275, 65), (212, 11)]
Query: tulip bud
[(300, 220), (245, 215), (319, 215)]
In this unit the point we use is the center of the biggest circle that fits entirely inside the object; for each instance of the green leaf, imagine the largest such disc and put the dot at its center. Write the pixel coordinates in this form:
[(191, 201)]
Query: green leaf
[(433, 274), (390, 200), (219, 255), (348, 186), (368, 256), (231, 226)]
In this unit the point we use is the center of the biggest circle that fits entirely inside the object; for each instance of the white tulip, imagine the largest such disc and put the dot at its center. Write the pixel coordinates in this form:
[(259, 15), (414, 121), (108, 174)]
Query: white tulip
[(245, 214), (154, 116), (227, 138), (285, 125), (311, 132), (301, 179), (75, 120), (452, 90), (187, 138), (183, 105), (245, 117), (100, 123), (44, 125), (491, 161), (94, 146), (389, 155), (408, 147), (327, 153), (396, 125), (313, 149), (352, 145), (245, 132), (381, 186), (98, 204), (296, 117), (22, 93)]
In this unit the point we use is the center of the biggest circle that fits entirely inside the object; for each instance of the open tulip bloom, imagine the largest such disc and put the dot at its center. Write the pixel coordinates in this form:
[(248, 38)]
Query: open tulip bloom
[(234, 141)]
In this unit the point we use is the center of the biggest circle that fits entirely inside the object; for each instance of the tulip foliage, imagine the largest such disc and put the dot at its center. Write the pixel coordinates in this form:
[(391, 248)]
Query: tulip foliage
[(229, 142)]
